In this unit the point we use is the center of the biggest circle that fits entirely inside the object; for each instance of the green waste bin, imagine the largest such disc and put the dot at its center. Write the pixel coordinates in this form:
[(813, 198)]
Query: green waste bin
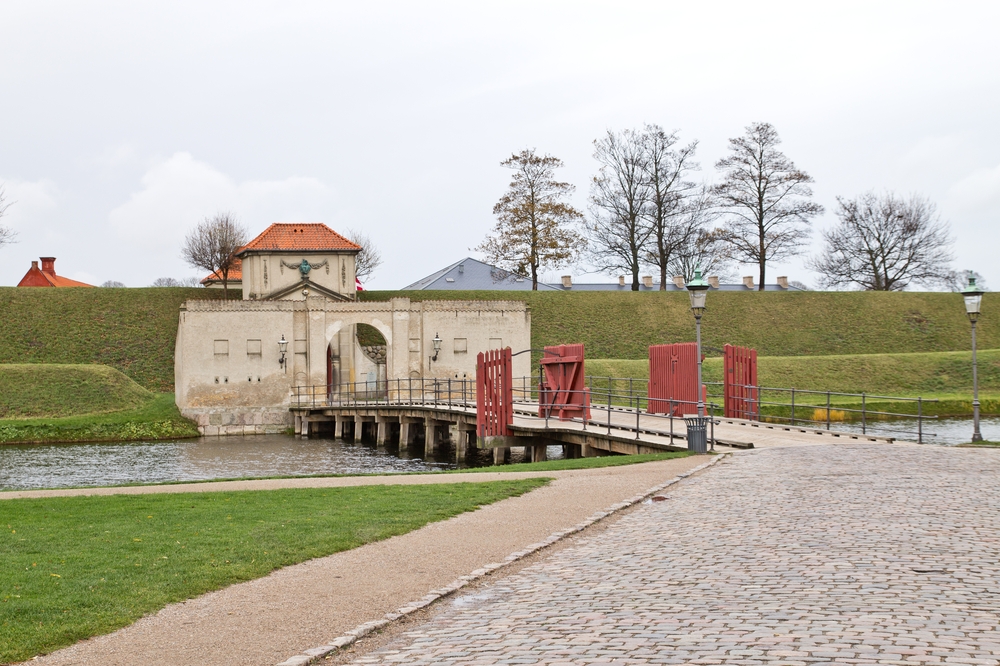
[(697, 433)]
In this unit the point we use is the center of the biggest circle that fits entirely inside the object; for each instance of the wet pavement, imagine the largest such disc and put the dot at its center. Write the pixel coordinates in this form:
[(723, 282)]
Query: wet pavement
[(848, 553)]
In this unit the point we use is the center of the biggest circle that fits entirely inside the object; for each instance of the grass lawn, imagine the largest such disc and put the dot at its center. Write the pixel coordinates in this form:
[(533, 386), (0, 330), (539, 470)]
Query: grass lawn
[(156, 419), (43, 390), (985, 445), (75, 567)]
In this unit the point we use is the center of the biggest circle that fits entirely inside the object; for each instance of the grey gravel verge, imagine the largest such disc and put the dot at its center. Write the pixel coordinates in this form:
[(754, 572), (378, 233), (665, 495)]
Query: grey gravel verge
[(312, 655)]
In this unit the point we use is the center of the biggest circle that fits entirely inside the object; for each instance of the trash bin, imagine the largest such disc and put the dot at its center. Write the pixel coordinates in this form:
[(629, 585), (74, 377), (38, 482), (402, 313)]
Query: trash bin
[(697, 433)]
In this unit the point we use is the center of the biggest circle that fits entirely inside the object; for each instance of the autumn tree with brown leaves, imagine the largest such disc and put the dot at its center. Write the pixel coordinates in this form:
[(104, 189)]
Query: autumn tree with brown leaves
[(535, 226)]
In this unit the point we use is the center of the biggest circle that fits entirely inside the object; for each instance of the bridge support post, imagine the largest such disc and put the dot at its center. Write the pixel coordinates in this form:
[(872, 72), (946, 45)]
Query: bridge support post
[(430, 436), (587, 451), (500, 454), (304, 430), (539, 453), (460, 438), (382, 437), (338, 427), (298, 424)]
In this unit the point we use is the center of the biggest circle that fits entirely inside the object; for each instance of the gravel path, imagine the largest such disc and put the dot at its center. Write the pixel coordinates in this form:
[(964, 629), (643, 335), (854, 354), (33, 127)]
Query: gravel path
[(265, 621), (850, 554)]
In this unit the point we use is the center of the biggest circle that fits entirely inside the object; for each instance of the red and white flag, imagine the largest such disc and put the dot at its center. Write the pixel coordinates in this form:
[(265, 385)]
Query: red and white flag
[(357, 284)]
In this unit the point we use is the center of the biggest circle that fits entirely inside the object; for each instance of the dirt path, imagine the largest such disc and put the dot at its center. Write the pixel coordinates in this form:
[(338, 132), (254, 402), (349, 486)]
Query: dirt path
[(263, 622)]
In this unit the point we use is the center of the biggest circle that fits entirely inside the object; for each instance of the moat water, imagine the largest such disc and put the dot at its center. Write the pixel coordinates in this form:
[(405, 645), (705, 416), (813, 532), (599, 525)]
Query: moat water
[(70, 465)]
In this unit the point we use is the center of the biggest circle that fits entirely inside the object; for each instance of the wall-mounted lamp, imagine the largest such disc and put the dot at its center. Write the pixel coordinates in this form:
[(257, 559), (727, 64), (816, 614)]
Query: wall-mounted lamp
[(283, 348), (437, 346)]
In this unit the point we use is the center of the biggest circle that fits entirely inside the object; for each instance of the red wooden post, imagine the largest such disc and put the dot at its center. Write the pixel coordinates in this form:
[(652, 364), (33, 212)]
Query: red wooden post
[(494, 393)]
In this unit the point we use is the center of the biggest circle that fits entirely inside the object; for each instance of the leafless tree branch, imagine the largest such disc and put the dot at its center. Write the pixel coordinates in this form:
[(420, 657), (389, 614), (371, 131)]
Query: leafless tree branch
[(213, 245), (370, 258), (885, 243), (765, 198)]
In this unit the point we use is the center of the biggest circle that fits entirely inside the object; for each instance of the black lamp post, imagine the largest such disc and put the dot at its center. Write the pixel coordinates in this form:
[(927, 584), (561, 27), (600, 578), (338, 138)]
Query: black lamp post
[(698, 291), (282, 348), (973, 296), (437, 346)]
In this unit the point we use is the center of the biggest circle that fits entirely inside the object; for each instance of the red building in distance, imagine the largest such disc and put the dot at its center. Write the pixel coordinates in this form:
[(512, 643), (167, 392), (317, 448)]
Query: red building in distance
[(46, 276)]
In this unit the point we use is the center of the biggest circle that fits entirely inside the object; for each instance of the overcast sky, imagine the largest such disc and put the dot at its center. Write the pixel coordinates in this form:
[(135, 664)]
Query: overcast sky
[(124, 124)]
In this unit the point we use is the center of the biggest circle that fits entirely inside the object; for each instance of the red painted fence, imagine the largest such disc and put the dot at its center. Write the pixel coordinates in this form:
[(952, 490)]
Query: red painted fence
[(494, 393), (563, 391), (739, 384), (673, 375)]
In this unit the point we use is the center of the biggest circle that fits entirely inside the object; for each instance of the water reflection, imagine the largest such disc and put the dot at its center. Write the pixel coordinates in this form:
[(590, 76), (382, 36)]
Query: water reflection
[(946, 431), (66, 465)]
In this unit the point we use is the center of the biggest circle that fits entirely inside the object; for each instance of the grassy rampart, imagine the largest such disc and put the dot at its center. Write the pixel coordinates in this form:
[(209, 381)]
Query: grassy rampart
[(623, 325), (39, 390), (132, 330)]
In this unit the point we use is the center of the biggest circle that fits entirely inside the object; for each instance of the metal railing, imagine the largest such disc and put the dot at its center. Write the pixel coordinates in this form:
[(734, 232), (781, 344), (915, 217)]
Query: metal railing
[(769, 406), (611, 410)]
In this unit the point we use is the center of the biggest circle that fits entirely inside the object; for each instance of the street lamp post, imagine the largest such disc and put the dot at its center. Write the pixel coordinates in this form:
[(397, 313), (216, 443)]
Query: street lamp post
[(698, 291), (973, 296)]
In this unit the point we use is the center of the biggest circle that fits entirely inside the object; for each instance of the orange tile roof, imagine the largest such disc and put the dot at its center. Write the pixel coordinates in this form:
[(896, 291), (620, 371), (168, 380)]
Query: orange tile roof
[(38, 277), (235, 273), (300, 237)]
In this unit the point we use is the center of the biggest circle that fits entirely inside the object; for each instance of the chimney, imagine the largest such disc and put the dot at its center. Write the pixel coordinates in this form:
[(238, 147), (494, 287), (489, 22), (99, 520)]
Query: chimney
[(647, 281), (783, 281), (713, 281), (748, 281), (461, 268), (679, 281), (34, 265), (567, 281), (621, 280), (48, 265)]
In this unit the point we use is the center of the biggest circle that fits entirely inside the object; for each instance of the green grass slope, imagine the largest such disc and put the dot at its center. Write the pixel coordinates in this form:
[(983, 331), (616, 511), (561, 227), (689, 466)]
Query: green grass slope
[(623, 325), (37, 390), (158, 418), (132, 330)]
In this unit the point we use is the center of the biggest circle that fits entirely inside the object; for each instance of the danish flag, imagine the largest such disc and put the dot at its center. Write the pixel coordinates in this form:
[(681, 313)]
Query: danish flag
[(357, 284)]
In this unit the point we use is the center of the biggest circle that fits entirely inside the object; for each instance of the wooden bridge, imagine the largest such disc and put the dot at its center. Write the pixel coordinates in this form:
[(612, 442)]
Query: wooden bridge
[(443, 413)]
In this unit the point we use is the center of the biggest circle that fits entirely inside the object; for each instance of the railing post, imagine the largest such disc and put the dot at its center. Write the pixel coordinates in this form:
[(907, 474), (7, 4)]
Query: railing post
[(636, 417), (609, 405), (793, 406), (827, 410), (920, 420), (671, 422), (711, 415), (864, 415)]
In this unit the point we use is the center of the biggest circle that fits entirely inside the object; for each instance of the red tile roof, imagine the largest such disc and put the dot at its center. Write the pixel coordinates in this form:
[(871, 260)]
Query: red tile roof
[(300, 237), (235, 274), (40, 277)]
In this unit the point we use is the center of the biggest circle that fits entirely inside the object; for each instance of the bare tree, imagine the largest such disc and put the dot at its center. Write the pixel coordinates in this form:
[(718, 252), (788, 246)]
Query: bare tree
[(884, 243), (113, 284), (766, 199), (535, 226), (959, 280), (166, 282), (366, 261), (619, 200), (213, 245), (669, 211), (701, 246), (7, 234)]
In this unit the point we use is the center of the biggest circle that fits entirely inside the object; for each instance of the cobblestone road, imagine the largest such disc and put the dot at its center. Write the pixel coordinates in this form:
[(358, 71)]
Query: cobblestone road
[(849, 553)]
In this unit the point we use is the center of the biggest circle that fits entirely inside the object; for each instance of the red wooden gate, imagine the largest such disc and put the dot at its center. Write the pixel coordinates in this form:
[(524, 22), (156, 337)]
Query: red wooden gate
[(673, 375), (739, 383), (563, 392), (494, 393)]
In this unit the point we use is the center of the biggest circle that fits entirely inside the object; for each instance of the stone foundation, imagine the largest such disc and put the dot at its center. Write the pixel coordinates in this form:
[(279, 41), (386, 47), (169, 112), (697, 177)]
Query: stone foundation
[(240, 420)]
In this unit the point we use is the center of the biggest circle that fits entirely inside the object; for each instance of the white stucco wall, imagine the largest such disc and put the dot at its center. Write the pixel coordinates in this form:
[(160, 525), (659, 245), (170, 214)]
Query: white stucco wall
[(265, 273), (226, 355)]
